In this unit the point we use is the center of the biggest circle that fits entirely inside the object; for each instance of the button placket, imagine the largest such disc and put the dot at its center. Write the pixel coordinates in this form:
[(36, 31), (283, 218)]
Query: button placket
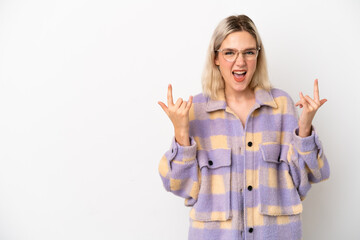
[(249, 178)]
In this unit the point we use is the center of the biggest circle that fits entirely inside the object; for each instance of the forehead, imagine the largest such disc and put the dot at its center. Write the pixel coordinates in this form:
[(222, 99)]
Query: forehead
[(239, 40)]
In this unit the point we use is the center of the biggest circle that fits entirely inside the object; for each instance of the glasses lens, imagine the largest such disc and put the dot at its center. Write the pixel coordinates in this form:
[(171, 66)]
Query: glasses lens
[(250, 54), (229, 54)]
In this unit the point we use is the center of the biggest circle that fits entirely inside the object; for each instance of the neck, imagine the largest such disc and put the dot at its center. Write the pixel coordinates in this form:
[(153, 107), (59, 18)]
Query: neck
[(233, 96)]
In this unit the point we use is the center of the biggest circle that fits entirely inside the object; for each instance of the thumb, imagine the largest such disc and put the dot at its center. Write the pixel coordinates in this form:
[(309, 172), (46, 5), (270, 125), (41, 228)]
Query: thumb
[(164, 107), (322, 101)]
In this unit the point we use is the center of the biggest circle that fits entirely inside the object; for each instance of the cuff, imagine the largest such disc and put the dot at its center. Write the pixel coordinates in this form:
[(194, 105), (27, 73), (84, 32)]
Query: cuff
[(182, 153), (306, 144)]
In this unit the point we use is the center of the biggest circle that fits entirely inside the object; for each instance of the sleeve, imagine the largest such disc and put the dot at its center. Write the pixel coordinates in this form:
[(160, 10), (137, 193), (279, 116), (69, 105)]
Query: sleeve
[(179, 171), (307, 161)]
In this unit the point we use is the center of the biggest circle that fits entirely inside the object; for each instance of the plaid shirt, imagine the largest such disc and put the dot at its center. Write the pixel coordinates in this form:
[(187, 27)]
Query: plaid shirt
[(244, 182)]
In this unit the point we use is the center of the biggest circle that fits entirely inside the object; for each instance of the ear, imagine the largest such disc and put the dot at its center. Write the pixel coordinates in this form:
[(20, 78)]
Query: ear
[(217, 63)]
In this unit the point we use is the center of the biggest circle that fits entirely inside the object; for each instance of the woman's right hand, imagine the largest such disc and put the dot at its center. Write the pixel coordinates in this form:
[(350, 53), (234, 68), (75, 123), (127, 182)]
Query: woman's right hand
[(179, 116)]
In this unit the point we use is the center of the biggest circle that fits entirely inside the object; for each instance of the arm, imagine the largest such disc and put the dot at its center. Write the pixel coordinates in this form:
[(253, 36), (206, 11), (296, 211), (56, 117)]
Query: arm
[(178, 168), (306, 158), (179, 171), (307, 161)]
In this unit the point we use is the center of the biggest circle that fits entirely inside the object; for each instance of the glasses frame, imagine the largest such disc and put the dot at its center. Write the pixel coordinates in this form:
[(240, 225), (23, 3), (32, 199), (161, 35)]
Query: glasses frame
[(238, 53)]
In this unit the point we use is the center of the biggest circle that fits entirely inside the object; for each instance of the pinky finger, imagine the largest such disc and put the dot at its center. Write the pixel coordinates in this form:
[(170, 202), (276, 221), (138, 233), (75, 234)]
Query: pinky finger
[(302, 100), (302, 96), (188, 106)]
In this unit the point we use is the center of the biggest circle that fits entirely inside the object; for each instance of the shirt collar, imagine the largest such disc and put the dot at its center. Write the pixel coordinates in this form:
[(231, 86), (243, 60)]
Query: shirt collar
[(262, 97)]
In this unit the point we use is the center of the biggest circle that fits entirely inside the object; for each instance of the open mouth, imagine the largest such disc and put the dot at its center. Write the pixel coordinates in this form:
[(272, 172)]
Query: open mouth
[(239, 75)]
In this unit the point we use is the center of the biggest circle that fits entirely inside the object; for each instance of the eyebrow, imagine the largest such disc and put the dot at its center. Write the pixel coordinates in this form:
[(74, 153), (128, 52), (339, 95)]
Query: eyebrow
[(250, 48)]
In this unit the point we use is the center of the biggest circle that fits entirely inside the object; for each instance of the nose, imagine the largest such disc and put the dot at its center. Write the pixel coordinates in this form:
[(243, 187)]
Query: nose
[(240, 60)]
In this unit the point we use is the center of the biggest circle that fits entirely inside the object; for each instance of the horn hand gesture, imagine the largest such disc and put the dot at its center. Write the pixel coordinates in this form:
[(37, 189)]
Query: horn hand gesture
[(179, 116), (309, 106)]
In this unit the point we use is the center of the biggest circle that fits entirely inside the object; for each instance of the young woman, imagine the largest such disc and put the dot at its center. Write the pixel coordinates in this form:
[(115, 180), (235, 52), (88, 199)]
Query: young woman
[(241, 157)]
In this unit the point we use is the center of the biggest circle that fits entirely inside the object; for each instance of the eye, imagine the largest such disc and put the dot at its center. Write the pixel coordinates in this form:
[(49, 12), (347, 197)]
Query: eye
[(250, 52), (229, 52)]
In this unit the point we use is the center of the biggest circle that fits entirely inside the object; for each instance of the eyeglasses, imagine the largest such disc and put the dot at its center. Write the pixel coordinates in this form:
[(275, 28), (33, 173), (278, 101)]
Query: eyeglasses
[(231, 54)]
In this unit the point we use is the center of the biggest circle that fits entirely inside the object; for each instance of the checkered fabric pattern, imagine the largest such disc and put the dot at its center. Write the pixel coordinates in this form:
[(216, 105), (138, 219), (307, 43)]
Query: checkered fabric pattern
[(244, 182)]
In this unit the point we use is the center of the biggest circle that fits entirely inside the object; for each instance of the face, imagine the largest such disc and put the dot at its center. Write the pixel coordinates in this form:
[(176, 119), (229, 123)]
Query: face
[(238, 74)]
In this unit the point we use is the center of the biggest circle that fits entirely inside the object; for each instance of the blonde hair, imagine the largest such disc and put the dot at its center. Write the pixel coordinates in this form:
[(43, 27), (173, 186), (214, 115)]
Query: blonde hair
[(212, 80)]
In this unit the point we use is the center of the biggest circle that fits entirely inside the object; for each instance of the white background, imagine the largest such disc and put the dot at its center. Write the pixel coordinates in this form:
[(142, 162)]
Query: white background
[(81, 134)]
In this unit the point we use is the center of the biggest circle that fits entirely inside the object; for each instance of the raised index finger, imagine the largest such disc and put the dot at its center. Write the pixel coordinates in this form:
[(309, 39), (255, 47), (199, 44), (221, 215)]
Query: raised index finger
[(316, 91), (169, 96)]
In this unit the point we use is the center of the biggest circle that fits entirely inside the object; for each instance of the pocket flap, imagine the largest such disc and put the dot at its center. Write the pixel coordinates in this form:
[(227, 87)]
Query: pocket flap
[(271, 152), (215, 158)]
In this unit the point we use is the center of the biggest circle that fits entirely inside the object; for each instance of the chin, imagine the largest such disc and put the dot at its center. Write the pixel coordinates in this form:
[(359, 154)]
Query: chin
[(238, 86)]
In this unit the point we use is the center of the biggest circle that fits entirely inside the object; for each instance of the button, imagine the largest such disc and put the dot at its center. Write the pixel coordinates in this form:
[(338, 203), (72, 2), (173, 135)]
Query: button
[(249, 144), (172, 150), (251, 230), (249, 187), (210, 163)]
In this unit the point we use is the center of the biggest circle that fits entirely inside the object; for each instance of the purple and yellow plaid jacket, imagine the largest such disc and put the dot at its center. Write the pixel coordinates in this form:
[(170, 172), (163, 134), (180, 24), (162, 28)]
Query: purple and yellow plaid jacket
[(244, 182)]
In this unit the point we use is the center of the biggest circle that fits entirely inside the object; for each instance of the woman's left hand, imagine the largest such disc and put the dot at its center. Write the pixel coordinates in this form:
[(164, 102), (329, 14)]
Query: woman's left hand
[(310, 106)]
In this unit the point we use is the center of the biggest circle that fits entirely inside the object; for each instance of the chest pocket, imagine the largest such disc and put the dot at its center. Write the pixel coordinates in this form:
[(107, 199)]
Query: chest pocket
[(277, 193), (213, 202)]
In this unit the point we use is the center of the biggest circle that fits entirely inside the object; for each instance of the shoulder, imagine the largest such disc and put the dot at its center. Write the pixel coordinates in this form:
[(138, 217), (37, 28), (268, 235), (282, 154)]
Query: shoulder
[(198, 107), (276, 92), (200, 98), (283, 101), (280, 96)]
